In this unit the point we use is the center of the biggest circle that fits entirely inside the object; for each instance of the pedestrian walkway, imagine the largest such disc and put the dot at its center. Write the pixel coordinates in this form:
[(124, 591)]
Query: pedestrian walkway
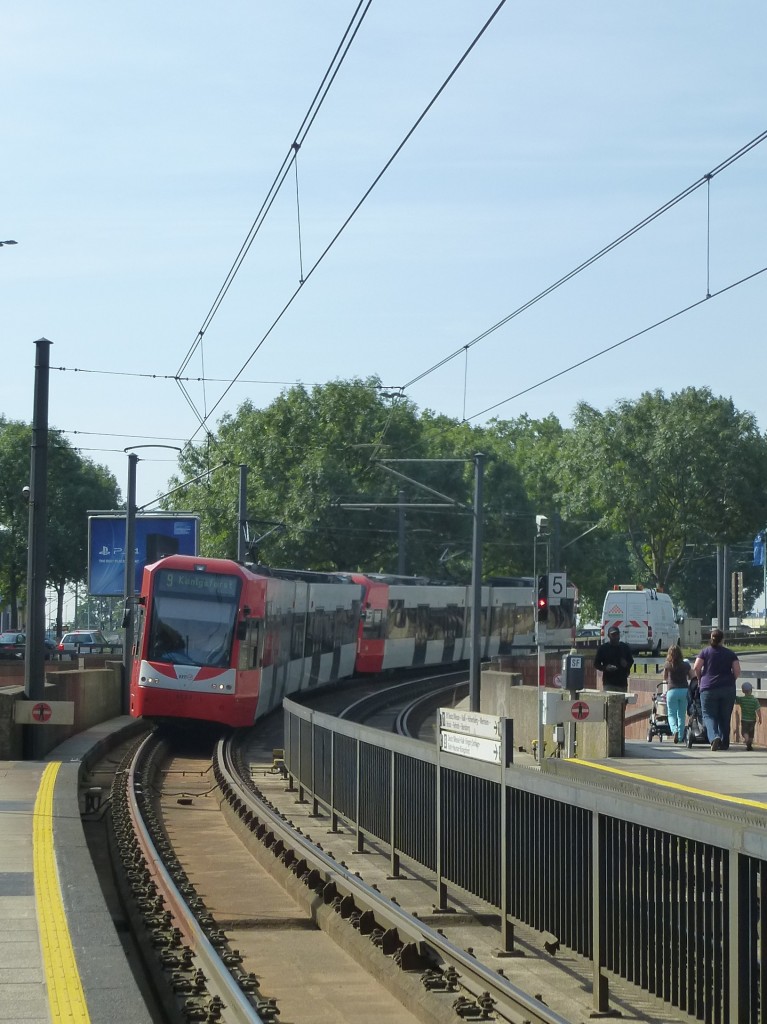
[(61, 959)]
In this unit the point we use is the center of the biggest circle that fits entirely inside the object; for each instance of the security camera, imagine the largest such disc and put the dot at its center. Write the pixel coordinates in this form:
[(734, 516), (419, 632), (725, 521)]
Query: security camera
[(25, 493)]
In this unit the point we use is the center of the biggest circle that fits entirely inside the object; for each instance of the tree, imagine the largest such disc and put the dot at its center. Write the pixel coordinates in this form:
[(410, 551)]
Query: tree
[(75, 485), (668, 472), (307, 453), (15, 441)]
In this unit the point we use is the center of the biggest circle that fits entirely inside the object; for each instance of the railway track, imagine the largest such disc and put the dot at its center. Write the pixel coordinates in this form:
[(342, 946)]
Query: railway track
[(252, 920)]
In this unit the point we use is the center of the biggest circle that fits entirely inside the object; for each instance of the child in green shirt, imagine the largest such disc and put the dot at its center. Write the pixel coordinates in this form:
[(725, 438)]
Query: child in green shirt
[(750, 713)]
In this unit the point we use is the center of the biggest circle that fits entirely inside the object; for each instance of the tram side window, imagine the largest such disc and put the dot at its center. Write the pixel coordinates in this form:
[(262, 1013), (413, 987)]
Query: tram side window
[(297, 630), (502, 622), (435, 623), (349, 618), (139, 644), (329, 633), (399, 622), (450, 618), (248, 655), (373, 624)]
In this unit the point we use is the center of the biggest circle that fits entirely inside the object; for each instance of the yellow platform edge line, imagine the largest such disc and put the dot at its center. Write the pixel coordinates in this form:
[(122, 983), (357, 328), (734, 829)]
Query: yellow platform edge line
[(741, 801), (65, 991)]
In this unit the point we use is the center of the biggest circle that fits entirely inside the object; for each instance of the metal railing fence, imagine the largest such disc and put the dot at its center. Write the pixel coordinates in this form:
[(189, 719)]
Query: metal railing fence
[(662, 888)]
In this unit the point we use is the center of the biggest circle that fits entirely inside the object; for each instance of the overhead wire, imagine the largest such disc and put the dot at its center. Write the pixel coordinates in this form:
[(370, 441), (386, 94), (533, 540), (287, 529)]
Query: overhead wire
[(308, 120), (358, 205), (623, 341), (659, 212)]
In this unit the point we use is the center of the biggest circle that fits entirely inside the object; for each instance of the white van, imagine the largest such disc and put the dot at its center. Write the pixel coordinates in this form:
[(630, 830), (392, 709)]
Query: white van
[(645, 618)]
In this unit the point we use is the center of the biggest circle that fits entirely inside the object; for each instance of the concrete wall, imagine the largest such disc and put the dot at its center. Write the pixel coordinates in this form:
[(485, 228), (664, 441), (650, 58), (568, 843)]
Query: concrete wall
[(97, 696), (505, 694)]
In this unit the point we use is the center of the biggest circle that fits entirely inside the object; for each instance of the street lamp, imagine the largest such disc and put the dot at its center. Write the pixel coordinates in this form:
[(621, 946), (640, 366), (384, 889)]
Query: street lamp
[(9, 241)]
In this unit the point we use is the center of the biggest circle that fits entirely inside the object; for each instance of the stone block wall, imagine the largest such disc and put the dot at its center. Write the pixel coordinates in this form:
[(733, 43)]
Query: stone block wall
[(97, 696)]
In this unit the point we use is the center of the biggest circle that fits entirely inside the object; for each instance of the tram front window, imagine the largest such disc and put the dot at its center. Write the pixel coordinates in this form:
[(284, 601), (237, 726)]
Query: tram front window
[(194, 631)]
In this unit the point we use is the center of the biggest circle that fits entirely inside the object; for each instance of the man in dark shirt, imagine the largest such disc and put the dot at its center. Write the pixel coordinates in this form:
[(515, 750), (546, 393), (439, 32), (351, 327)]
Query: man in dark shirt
[(614, 661)]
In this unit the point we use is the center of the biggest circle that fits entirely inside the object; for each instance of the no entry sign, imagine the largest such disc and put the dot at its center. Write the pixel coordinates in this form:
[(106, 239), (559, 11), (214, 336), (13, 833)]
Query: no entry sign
[(41, 712), (44, 712), (580, 710)]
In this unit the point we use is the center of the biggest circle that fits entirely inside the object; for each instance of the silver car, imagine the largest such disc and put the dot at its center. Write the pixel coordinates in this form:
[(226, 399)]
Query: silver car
[(84, 641)]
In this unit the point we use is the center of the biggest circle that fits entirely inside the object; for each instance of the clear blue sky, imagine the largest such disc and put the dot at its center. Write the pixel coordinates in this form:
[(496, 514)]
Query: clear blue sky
[(140, 140)]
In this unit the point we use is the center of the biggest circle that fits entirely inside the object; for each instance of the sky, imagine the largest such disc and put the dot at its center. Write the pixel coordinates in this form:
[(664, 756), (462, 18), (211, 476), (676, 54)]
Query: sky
[(141, 141)]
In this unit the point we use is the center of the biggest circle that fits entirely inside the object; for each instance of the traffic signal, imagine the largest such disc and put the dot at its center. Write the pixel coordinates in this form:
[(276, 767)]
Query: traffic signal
[(542, 599)]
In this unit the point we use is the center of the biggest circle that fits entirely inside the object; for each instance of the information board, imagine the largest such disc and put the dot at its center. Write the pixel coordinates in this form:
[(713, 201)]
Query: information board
[(156, 537), (470, 723), (471, 746)]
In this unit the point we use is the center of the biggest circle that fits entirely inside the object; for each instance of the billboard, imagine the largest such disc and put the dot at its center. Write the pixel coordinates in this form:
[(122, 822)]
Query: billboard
[(156, 536)]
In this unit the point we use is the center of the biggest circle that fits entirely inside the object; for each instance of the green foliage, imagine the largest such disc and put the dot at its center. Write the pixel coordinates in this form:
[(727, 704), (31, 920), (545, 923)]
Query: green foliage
[(627, 491), (668, 472), (75, 486)]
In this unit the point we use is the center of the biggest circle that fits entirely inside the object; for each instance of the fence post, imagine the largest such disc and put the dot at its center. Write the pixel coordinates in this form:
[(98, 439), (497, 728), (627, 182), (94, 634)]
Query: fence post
[(507, 926), (333, 814), (738, 924), (441, 906), (357, 806), (393, 817), (601, 988)]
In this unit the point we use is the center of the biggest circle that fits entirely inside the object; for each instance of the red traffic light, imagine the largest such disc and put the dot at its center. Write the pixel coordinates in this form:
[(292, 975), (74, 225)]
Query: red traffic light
[(542, 602)]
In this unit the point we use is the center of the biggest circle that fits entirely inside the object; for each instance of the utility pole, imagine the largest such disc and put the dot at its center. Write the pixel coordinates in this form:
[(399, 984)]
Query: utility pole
[(34, 663), (475, 668), (129, 590), (401, 559), (242, 518)]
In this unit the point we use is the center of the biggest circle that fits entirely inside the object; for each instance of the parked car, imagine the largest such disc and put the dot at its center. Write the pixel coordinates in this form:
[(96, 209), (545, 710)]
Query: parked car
[(13, 645), (84, 641)]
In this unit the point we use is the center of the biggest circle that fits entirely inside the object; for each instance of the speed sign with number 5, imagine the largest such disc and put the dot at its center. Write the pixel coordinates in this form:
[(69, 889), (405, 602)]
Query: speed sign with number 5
[(557, 587)]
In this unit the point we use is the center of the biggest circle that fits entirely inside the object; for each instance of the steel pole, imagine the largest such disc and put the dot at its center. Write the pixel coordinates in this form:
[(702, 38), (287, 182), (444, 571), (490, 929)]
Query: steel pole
[(130, 583), (476, 589), (401, 562), (34, 663), (242, 518)]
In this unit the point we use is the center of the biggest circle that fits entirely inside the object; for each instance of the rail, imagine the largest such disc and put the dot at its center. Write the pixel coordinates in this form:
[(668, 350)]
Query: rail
[(334, 879), (659, 887)]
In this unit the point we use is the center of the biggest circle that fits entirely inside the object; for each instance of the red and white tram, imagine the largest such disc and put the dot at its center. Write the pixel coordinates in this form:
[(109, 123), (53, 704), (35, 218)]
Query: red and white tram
[(222, 642)]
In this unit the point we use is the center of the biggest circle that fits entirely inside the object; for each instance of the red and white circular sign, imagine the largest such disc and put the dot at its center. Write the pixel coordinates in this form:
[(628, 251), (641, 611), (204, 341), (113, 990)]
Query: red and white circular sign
[(41, 712), (580, 710)]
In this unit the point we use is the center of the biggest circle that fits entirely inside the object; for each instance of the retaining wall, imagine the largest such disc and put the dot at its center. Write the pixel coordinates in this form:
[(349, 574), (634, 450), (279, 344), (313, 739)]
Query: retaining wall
[(97, 696)]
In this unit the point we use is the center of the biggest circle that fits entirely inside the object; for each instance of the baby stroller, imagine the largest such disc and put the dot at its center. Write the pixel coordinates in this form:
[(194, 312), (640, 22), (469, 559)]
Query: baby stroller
[(658, 716), (696, 727)]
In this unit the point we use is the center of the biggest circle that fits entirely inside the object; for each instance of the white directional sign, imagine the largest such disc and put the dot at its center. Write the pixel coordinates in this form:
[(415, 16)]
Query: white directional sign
[(470, 723), (44, 712), (471, 746), (557, 587)]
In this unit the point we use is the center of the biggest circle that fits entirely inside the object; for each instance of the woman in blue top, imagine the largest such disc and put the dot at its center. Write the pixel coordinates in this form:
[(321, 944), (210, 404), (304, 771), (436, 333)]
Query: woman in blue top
[(717, 668)]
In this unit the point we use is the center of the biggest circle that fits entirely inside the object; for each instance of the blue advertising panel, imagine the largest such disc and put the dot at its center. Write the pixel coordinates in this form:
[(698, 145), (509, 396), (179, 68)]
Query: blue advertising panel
[(156, 536)]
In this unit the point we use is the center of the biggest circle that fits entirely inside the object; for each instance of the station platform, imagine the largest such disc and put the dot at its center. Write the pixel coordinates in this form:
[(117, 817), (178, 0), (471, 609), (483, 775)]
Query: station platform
[(61, 958), (735, 775)]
